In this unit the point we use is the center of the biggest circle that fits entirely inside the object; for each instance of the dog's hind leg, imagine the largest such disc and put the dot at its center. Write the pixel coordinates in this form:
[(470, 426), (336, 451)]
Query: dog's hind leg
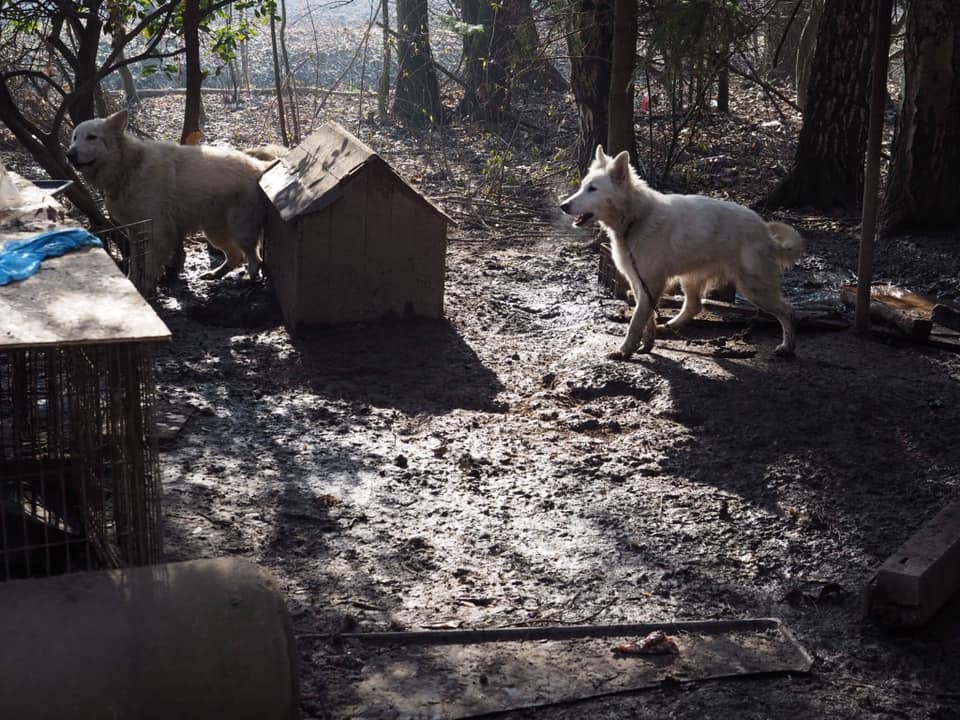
[(253, 266), (244, 224), (693, 287), (771, 300), (233, 255), (249, 243)]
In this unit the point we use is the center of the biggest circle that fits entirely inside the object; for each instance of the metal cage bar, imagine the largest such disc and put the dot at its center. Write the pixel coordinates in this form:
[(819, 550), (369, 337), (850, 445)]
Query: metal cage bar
[(79, 467)]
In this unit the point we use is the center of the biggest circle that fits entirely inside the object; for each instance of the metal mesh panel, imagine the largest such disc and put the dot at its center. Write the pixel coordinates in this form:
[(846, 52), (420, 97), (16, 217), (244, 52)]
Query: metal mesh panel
[(128, 245), (79, 471), (609, 277)]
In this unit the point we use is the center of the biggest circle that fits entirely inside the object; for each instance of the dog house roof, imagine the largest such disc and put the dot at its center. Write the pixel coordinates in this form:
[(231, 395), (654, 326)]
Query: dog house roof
[(313, 175)]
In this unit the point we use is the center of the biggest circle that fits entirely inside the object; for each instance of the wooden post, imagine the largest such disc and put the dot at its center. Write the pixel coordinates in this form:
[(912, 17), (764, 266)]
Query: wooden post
[(868, 224)]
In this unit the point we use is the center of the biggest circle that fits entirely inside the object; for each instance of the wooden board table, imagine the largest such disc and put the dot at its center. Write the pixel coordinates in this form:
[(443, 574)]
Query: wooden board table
[(77, 299)]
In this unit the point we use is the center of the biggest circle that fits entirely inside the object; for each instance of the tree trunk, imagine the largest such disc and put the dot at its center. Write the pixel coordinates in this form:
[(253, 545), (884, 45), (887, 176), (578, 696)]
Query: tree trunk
[(116, 26), (783, 29), (383, 92), (533, 70), (723, 86), (129, 85), (589, 26), (87, 36), (925, 169), (289, 80), (486, 57), (505, 57), (244, 57), (868, 218), (278, 82), (828, 167), (805, 51), (417, 95), (620, 132), (191, 43)]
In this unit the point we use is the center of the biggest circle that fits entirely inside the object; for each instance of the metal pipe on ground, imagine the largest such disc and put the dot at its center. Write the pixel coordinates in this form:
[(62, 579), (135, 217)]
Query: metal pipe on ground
[(204, 639)]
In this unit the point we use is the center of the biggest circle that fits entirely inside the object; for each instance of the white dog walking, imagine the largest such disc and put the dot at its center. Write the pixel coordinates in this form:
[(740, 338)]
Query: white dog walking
[(698, 239), (181, 188)]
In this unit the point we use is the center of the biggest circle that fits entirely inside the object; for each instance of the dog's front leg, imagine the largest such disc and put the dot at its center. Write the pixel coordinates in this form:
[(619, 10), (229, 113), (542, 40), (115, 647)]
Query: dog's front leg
[(641, 332)]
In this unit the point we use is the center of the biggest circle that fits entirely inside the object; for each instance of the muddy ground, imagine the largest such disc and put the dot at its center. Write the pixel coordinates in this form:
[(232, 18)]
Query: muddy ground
[(495, 469)]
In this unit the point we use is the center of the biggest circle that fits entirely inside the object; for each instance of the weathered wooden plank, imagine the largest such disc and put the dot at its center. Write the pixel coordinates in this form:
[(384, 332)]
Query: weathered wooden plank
[(78, 298), (946, 314), (309, 178), (917, 580)]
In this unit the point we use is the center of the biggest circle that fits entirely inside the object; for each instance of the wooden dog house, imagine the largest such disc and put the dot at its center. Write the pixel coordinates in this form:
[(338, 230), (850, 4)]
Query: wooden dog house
[(347, 239)]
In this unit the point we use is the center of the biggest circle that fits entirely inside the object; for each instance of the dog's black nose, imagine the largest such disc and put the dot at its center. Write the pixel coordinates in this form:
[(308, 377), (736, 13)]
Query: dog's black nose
[(72, 156), (565, 207)]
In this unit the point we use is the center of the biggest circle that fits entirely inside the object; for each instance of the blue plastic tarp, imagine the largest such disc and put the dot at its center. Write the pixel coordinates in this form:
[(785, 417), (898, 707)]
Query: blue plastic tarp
[(19, 259)]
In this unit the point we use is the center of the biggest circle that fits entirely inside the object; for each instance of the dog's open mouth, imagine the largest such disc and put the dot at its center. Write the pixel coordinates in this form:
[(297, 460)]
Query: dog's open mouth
[(583, 219)]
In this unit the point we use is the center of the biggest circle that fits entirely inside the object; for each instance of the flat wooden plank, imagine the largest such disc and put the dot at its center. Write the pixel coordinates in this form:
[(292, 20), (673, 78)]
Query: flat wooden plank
[(476, 678), (946, 314), (944, 339), (76, 299), (921, 576)]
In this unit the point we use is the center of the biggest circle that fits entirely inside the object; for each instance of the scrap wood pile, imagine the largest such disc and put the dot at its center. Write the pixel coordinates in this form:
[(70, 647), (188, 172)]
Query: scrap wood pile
[(920, 318)]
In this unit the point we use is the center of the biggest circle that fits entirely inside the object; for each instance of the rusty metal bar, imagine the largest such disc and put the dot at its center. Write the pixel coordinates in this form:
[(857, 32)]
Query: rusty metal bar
[(548, 632)]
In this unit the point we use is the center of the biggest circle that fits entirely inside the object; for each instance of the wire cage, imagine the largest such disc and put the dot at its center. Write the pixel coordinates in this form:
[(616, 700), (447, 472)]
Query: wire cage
[(79, 469), (609, 277), (128, 245)]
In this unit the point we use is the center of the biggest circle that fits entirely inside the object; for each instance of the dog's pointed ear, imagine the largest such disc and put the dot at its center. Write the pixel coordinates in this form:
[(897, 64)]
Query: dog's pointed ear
[(117, 121), (600, 156), (621, 167)]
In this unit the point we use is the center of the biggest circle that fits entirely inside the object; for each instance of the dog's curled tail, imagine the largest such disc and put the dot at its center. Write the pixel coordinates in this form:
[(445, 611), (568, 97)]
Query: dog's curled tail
[(268, 152), (789, 243)]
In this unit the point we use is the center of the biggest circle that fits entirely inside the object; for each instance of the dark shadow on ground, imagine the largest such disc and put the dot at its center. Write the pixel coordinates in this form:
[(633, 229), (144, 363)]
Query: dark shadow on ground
[(416, 367), (231, 302), (864, 450)]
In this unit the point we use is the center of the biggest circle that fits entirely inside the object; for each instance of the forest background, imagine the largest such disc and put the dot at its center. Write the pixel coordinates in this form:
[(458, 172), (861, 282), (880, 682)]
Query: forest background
[(497, 470)]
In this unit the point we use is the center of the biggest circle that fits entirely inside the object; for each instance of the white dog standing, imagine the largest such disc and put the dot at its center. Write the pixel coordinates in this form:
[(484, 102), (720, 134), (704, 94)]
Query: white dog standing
[(698, 239), (182, 188)]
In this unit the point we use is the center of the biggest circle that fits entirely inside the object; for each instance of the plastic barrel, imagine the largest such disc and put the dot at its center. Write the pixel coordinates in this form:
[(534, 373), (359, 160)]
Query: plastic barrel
[(200, 639)]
